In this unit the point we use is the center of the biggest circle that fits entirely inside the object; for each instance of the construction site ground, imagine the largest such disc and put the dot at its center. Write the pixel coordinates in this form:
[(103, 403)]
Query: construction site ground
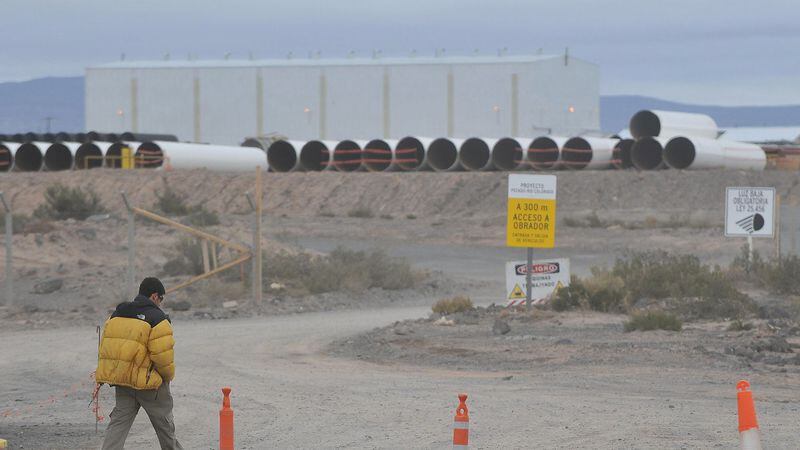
[(372, 370)]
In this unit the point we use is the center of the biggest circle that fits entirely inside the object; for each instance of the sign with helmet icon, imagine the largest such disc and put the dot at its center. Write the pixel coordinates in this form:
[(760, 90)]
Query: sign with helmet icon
[(750, 211)]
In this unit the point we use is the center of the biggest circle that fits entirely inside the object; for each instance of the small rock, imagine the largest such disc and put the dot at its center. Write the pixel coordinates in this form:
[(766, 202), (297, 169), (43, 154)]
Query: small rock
[(30, 309), (48, 286), (564, 342), (181, 305), (83, 263), (402, 330), (276, 286), (98, 217), (230, 304), (444, 321), (500, 327)]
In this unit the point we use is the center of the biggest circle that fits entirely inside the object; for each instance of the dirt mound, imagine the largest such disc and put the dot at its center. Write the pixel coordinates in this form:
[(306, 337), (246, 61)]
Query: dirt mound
[(464, 194), (499, 339)]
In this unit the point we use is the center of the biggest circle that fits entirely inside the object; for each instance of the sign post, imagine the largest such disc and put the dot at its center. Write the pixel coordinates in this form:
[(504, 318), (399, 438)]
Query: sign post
[(531, 220), (750, 212)]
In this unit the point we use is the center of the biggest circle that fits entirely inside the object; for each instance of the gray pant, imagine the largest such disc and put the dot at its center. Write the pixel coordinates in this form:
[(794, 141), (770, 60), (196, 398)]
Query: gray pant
[(158, 406)]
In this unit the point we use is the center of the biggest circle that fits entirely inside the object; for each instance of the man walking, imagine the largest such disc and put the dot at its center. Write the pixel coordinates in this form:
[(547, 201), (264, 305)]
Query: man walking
[(136, 357)]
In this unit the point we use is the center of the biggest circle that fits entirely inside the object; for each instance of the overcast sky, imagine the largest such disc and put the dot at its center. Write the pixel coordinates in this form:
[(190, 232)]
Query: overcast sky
[(727, 52)]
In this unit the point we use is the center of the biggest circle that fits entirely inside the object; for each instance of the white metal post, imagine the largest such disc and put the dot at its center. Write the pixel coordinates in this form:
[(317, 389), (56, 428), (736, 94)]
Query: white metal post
[(528, 286), (9, 279)]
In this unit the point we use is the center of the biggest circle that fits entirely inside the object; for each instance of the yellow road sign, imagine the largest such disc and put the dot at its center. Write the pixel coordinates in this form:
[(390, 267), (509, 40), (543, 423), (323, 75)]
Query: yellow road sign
[(531, 211), (517, 292)]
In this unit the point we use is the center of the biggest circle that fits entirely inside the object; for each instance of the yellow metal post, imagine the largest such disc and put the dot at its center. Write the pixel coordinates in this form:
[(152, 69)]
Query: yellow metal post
[(127, 158)]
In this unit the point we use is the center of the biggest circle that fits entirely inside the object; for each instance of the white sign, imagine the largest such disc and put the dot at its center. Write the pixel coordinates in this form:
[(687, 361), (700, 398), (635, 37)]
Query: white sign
[(749, 211), (546, 276)]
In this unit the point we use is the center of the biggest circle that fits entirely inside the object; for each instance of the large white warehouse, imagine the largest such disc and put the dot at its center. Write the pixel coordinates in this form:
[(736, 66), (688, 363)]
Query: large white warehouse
[(226, 101)]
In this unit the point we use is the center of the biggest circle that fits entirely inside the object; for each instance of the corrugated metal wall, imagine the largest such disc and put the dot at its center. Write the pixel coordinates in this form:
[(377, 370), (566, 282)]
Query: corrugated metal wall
[(329, 101)]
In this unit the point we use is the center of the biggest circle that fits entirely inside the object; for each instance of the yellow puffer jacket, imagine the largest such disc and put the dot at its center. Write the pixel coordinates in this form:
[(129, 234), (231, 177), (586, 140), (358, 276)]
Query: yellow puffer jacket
[(136, 349)]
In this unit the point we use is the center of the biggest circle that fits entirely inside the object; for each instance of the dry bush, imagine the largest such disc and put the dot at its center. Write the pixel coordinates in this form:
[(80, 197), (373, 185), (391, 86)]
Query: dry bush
[(172, 203), (780, 276), (688, 287), (341, 270), (740, 325), (361, 213), (653, 320), (62, 202), (453, 305), (187, 258)]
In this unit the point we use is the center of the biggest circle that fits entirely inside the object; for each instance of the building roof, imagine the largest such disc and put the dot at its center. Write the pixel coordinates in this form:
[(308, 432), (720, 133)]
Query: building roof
[(317, 62)]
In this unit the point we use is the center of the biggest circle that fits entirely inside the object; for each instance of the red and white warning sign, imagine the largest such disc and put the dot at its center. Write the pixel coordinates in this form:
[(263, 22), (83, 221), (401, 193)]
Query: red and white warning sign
[(546, 276)]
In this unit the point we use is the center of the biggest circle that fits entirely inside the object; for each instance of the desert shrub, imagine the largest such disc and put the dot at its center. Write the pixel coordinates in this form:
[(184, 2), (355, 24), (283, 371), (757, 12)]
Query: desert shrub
[(387, 217), (172, 203), (781, 276), (202, 217), (602, 292), (187, 258), (661, 275), (740, 325), (326, 214), (453, 305), (341, 270), (62, 202), (361, 213), (653, 320), (411, 216), (571, 297), (693, 289)]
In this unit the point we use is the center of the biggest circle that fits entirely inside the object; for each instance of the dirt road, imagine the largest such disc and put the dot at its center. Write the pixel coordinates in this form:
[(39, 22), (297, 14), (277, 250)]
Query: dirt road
[(288, 394)]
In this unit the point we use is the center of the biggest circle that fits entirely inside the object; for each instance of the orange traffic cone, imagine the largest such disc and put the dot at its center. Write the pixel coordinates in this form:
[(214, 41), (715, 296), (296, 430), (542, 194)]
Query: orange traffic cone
[(226, 421), (748, 424), (461, 425)]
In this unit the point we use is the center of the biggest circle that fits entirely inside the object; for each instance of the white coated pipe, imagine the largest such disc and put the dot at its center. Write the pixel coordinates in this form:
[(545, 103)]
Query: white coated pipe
[(508, 152), (113, 155), (60, 156), (29, 156), (622, 154), (7, 151), (584, 152), (544, 152), (647, 153), (284, 155), (316, 155), (475, 154), (379, 155), (443, 154), (347, 155), (180, 155), (654, 123), (411, 153), (90, 155), (700, 153)]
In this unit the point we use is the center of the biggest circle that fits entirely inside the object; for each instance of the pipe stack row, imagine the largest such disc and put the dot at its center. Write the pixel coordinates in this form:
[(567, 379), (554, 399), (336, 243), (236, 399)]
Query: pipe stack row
[(662, 139), (34, 156), (667, 139)]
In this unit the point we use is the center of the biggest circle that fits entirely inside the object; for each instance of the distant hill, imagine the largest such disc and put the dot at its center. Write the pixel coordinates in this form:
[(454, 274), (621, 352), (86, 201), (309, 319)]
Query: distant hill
[(24, 106), (616, 112)]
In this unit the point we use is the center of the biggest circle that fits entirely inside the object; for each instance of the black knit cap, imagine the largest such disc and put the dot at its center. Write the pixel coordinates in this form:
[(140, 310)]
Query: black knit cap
[(150, 286)]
